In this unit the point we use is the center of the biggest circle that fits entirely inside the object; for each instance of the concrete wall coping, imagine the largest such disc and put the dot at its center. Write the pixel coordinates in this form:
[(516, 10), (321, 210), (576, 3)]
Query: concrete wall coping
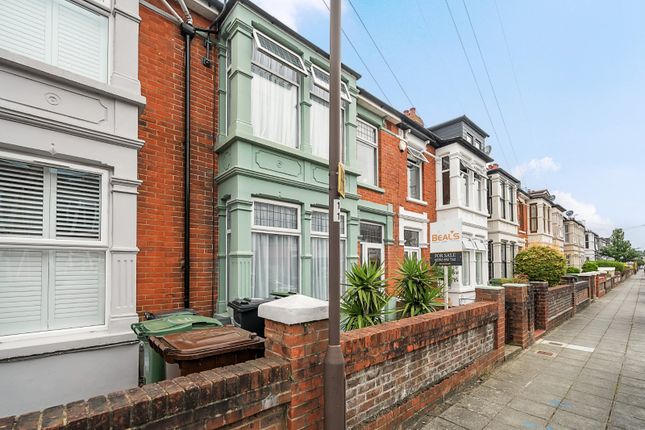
[(515, 285), (296, 309), (489, 287)]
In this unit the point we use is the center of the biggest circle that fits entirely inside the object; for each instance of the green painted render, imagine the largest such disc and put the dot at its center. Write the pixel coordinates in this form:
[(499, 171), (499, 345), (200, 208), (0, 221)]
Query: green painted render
[(250, 167)]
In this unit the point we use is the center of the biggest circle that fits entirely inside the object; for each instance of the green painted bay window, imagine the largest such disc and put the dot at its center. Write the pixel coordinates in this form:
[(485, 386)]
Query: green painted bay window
[(320, 253), (367, 152)]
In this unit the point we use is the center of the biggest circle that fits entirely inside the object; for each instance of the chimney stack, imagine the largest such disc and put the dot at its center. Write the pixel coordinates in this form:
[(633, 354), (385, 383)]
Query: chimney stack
[(412, 114)]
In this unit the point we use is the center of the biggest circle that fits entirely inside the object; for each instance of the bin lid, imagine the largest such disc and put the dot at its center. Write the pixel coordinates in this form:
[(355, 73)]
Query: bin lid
[(247, 304), (208, 342), (173, 324)]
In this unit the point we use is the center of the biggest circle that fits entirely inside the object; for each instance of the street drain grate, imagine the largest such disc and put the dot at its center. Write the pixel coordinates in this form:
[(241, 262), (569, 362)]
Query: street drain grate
[(547, 353)]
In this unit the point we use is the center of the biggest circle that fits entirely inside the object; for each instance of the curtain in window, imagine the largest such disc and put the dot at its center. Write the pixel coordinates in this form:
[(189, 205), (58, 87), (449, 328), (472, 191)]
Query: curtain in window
[(274, 108), (479, 257), (465, 277), (319, 127), (275, 263), (414, 179), (366, 156), (319, 267)]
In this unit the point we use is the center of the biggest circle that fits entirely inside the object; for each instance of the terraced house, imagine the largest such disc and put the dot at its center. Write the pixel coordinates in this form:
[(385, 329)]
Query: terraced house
[(574, 242), (69, 104), (503, 239)]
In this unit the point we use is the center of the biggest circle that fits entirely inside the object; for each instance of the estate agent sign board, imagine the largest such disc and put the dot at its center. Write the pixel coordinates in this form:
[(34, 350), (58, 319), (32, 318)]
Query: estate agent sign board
[(445, 243)]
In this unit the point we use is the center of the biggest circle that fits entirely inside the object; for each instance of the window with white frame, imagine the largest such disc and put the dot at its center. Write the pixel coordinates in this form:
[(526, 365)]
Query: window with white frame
[(319, 114), (372, 250), (491, 266), (276, 248), (62, 33), (479, 192), (445, 180), (469, 138), (511, 203), (465, 268), (504, 261), (320, 253), (464, 181), (52, 247), (479, 268), (274, 91), (502, 199), (511, 262), (367, 152), (415, 179), (412, 244)]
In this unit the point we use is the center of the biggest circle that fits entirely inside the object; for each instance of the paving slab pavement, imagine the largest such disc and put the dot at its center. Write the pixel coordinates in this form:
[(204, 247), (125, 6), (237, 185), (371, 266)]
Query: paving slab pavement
[(589, 373)]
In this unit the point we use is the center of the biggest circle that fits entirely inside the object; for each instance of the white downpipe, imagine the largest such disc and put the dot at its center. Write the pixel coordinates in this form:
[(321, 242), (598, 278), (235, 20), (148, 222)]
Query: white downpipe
[(184, 8), (173, 11)]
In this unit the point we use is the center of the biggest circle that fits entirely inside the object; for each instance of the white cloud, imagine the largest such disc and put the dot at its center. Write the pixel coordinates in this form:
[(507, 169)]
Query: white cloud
[(536, 165), (290, 11), (584, 211)]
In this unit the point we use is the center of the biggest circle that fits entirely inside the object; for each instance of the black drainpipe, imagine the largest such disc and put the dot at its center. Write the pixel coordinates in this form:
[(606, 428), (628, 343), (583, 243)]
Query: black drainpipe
[(188, 31)]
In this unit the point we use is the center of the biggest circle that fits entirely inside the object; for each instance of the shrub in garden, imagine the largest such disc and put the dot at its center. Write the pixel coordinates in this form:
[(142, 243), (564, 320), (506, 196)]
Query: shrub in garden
[(620, 267), (364, 302), (417, 289), (590, 266), (541, 263), (571, 269)]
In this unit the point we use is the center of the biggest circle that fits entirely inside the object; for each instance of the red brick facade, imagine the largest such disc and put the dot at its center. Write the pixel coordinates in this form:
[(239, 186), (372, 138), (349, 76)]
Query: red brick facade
[(392, 178), (161, 168)]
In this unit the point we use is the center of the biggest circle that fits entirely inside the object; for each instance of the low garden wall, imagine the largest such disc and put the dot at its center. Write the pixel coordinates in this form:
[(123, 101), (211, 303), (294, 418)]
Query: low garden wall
[(520, 315), (254, 394), (393, 371), (582, 294)]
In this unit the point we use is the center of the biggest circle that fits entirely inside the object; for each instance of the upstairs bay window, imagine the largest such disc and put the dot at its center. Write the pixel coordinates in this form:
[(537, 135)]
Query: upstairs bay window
[(276, 249), (62, 33), (533, 218), (464, 183), (479, 192), (502, 200), (52, 248), (445, 180), (319, 113), (367, 152), (511, 203), (276, 73)]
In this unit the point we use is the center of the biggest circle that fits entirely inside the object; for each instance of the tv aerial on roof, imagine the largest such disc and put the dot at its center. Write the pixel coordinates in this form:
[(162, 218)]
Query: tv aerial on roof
[(569, 213)]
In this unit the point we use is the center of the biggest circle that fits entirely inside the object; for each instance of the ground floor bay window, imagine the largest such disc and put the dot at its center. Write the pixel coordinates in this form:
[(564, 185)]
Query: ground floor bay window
[(320, 254), (275, 247), (52, 247), (372, 249)]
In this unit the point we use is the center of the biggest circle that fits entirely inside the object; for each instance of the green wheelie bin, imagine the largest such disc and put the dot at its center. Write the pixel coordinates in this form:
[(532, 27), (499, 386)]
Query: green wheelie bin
[(152, 367)]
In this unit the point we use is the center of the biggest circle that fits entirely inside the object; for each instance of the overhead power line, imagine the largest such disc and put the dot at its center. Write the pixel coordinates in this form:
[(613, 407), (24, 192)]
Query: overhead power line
[(514, 72), (474, 76), (490, 82), (381, 53), (361, 60)]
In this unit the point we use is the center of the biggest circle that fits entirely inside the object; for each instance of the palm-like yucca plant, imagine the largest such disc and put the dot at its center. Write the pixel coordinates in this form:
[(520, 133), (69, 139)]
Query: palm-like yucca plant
[(363, 304), (417, 288)]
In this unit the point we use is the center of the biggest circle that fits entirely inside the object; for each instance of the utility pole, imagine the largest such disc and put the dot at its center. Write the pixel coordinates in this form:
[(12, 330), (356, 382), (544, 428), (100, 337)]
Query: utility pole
[(334, 360)]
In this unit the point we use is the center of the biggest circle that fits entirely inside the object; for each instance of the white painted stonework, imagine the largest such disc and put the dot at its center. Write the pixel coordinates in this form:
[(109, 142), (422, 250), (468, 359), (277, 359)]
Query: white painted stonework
[(296, 309)]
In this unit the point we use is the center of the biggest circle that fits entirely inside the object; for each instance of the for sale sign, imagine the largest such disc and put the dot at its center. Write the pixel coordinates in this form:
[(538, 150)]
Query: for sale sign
[(446, 258)]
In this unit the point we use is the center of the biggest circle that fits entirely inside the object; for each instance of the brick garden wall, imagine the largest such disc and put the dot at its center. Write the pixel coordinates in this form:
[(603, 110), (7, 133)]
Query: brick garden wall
[(251, 395), (397, 368), (559, 305), (582, 295), (160, 225)]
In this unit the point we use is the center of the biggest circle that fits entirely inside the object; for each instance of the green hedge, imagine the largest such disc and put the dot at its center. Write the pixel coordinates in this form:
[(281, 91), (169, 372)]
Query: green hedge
[(498, 282), (620, 267), (590, 266), (541, 263), (573, 270)]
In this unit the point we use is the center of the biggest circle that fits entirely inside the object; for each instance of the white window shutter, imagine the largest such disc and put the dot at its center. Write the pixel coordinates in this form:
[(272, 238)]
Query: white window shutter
[(80, 40), (78, 205), (77, 296), (25, 27), (22, 199), (21, 291)]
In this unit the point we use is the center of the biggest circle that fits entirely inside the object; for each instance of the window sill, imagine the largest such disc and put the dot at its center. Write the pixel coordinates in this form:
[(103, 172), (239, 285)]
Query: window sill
[(419, 202), (17, 347), (371, 187)]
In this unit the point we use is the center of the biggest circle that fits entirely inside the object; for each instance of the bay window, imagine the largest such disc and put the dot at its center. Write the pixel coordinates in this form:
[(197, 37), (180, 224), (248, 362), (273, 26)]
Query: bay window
[(411, 244), (491, 266), (479, 192), (62, 33), (445, 180), (367, 152), (320, 254), (502, 200), (319, 114), (464, 182), (276, 250), (465, 268), (52, 247), (511, 203), (372, 249), (274, 91), (479, 263), (533, 217), (503, 251)]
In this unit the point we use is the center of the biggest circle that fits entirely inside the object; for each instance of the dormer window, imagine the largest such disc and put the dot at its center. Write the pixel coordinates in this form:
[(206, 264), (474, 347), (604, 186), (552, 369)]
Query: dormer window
[(479, 144), (469, 138)]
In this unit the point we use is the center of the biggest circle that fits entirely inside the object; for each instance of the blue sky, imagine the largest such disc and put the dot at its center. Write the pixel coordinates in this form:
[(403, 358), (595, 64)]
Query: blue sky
[(570, 84)]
